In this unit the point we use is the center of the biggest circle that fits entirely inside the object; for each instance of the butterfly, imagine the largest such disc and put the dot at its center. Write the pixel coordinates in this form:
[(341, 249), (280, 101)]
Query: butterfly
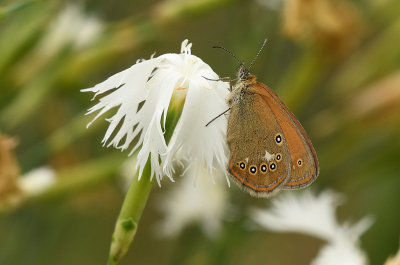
[(269, 148)]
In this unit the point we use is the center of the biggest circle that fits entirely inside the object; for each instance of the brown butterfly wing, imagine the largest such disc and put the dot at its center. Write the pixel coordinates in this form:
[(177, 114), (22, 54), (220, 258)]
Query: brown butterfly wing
[(304, 164), (253, 164)]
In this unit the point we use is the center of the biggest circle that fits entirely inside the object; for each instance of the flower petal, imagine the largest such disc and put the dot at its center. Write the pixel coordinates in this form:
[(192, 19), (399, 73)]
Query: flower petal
[(192, 141)]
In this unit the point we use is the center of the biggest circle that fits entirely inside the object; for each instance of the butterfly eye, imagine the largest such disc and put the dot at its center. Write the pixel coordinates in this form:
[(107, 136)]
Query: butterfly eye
[(253, 170), (278, 157), (300, 162), (263, 167), (272, 167), (278, 139)]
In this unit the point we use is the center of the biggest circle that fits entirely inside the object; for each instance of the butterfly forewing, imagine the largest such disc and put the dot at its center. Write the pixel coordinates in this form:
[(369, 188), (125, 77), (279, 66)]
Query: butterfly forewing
[(260, 160)]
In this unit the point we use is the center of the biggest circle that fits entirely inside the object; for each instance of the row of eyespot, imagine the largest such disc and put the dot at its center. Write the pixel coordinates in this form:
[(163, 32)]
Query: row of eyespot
[(263, 167)]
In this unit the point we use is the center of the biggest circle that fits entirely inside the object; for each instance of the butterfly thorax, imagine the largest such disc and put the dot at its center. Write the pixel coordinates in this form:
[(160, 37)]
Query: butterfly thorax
[(245, 80), (248, 81)]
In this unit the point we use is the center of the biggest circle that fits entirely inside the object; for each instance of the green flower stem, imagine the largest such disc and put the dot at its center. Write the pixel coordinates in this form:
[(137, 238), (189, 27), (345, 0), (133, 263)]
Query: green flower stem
[(131, 211), (138, 193)]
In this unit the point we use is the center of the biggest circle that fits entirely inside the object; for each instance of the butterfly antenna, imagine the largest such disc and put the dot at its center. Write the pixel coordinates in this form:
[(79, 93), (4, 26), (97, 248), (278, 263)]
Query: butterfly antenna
[(228, 51), (262, 47)]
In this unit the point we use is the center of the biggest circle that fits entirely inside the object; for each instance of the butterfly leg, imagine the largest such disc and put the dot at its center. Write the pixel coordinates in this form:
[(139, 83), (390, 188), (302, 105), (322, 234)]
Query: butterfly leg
[(219, 115), (223, 79)]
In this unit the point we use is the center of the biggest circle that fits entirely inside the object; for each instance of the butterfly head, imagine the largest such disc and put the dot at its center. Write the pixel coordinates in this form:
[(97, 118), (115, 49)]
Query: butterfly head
[(243, 72), (244, 76)]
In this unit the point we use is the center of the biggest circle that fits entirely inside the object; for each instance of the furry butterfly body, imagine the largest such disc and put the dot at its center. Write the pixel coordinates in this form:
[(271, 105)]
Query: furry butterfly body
[(269, 149)]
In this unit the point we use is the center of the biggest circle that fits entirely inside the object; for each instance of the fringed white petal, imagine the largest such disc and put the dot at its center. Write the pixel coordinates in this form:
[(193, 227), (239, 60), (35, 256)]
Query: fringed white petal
[(160, 86), (131, 90), (192, 141)]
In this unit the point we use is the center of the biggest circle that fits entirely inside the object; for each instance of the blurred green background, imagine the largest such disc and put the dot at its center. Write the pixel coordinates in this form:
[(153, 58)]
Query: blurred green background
[(335, 63)]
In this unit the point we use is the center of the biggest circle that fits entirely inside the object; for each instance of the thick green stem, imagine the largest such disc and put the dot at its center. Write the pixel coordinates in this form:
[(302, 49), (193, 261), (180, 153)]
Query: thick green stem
[(131, 211)]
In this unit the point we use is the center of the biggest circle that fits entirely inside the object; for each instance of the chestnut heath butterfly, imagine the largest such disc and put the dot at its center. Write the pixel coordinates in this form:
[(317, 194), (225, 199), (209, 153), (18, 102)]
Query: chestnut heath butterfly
[(269, 148)]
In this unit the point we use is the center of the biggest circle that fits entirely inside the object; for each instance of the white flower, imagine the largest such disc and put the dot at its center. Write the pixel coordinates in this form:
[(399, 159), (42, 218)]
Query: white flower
[(315, 215), (36, 181), (154, 82), (71, 26), (305, 213), (194, 203)]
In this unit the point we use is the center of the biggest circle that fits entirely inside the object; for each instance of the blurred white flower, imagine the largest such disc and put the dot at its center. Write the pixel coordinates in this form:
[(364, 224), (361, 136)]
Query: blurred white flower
[(71, 26), (314, 215), (342, 251), (193, 203), (143, 95), (36, 181)]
